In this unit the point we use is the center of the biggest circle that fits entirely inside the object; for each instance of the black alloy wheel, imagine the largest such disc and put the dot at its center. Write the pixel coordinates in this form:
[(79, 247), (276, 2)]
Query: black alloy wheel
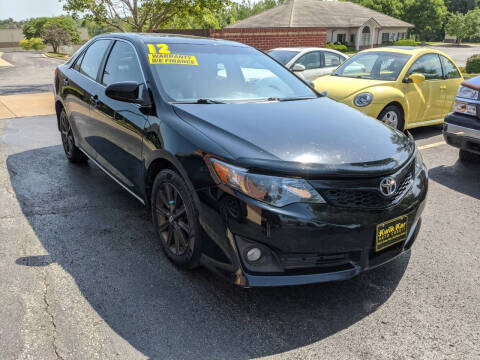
[(71, 151), (175, 220)]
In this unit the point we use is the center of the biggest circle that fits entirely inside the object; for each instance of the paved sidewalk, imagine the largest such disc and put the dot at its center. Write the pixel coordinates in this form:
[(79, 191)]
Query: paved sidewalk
[(22, 105)]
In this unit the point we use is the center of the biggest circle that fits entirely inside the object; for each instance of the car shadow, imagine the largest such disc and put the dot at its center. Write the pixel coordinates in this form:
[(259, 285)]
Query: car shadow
[(461, 177), (426, 132), (104, 239)]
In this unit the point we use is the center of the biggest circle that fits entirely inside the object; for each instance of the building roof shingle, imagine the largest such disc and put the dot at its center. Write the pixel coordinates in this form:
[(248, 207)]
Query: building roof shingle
[(318, 13)]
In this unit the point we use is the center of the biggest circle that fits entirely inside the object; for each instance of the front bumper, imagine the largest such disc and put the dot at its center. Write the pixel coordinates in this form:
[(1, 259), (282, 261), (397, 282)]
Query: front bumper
[(463, 132), (307, 243)]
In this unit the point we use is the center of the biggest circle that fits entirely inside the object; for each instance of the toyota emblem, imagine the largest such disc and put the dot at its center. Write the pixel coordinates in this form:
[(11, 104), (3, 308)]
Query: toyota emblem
[(388, 186)]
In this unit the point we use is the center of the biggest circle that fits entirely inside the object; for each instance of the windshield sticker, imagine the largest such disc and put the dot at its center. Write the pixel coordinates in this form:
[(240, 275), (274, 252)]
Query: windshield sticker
[(163, 56)]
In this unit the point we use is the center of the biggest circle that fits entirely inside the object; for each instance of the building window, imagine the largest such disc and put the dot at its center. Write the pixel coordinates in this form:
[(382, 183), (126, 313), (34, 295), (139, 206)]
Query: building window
[(352, 38), (341, 38), (365, 39), (385, 38)]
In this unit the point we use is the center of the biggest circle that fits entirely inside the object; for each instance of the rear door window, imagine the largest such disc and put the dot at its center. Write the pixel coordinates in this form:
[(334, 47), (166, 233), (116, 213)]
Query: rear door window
[(332, 59), (93, 58)]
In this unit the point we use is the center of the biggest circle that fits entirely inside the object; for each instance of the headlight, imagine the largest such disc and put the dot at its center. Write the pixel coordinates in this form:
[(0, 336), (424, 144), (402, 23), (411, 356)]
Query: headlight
[(273, 190), (418, 163), (363, 99), (468, 93), (465, 108)]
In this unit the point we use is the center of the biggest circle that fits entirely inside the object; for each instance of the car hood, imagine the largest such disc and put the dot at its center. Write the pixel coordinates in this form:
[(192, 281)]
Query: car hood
[(339, 88), (304, 138)]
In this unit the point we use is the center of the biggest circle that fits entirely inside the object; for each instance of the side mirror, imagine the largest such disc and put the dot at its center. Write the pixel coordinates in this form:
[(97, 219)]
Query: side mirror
[(415, 78), (298, 68), (128, 91)]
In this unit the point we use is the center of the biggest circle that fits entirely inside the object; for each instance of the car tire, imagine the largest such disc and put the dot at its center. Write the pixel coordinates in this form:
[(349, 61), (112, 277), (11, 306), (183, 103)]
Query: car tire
[(72, 152), (175, 218), (466, 156), (393, 116)]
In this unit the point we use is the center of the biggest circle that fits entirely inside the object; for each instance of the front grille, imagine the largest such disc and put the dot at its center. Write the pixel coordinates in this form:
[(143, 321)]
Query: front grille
[(369, 196)]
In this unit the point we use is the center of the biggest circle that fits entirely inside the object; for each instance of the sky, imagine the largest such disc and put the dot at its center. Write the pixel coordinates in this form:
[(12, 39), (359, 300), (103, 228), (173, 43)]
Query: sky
[(23, 9)]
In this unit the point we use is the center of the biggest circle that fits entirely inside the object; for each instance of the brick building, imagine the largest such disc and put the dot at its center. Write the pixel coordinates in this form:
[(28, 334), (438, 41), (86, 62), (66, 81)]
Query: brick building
[(314, 23)]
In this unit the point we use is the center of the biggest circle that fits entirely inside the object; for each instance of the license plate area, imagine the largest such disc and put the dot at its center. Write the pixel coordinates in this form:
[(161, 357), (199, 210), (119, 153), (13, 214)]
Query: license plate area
[(391, 232)]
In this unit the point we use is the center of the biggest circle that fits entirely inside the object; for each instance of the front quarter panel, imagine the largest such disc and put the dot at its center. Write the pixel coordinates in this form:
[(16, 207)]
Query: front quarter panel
[(382, 96)]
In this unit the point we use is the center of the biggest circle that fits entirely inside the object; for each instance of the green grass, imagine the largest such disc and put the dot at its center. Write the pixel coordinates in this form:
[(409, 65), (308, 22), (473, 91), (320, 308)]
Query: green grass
[(58, 55)]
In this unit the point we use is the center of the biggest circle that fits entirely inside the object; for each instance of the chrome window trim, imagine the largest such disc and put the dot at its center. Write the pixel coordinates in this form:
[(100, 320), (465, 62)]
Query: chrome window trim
[(113, 39)]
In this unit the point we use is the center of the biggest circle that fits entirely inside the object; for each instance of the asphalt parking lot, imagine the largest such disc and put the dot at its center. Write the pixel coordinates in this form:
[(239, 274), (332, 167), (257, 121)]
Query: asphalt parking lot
[(82, 277)]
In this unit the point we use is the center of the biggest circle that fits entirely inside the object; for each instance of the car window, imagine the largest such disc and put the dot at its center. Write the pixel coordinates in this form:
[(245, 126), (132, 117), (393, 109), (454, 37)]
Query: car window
[(188, 72), (122, 65), (380, 65), (451, 71), (79, 62), (283, 56), (93, 58), (332, 59), (311, 60), (428, 65)]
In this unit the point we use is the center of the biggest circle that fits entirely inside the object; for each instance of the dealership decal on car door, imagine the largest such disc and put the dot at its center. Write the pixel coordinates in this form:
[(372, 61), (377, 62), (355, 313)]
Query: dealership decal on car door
[(163, 56)]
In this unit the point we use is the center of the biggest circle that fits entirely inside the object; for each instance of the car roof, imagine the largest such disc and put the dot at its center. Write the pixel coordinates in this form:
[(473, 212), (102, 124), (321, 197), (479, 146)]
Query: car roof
[(170, 39), (410, 50)]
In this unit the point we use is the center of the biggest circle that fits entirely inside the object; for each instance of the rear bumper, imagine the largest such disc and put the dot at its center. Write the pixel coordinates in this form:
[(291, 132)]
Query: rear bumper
[(462, 132)]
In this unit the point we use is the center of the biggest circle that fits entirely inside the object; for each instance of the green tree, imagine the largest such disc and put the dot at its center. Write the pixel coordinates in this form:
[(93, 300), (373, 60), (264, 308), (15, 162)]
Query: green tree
[(140, 15), (33, 28), (67, 23), (428, 16), (461, 6), (56, 35), (395, 8)]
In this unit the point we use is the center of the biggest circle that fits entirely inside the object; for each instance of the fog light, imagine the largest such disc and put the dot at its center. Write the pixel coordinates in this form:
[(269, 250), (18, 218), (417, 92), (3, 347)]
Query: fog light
[(254, 254)]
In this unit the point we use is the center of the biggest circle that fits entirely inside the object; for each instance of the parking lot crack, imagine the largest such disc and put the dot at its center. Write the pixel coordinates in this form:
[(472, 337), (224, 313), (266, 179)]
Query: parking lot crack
[(50, 314)]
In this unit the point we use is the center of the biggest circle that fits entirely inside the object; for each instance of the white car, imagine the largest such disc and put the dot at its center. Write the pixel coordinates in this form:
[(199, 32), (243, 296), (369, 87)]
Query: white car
[(309, 63)]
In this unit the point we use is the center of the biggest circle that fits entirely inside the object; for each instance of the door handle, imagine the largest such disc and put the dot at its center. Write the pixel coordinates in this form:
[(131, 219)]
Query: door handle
[(443, 87)]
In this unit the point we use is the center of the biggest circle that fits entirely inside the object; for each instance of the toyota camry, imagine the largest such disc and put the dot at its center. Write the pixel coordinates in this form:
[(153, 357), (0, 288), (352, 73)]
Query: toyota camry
[(246, 170)]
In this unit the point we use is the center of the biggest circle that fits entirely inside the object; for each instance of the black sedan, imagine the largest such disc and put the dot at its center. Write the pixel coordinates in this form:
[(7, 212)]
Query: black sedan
[(246, 169)]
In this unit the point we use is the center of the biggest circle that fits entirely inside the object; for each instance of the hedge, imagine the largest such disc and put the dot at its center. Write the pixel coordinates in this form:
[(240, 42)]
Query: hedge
[(407, 42), (338, 47), (473, 65), (33, 43)]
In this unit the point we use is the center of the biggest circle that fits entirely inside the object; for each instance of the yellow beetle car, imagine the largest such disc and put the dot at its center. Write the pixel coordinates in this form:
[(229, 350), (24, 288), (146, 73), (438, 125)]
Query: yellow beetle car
[(406, 87)]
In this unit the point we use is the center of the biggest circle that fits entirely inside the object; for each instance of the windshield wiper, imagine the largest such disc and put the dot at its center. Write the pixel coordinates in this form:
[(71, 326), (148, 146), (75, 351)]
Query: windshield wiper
[(291, 98), (199, 101)]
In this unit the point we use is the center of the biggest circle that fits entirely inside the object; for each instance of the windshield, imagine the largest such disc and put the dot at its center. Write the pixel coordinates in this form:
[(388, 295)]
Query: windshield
[(218, 73), (373, 65), (283, 56)]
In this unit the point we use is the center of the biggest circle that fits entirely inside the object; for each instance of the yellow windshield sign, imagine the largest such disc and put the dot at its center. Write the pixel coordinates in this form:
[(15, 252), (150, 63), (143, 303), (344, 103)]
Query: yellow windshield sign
[(163, 56)]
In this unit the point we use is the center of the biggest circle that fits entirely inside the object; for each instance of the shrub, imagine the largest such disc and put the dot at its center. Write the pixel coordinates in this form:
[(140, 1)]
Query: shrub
[(407, 42), (33, 43), (338, 47), (473, 65)]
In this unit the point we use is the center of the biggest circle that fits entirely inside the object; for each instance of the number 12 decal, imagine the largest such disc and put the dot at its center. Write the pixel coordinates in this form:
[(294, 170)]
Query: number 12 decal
[(162, 49)]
